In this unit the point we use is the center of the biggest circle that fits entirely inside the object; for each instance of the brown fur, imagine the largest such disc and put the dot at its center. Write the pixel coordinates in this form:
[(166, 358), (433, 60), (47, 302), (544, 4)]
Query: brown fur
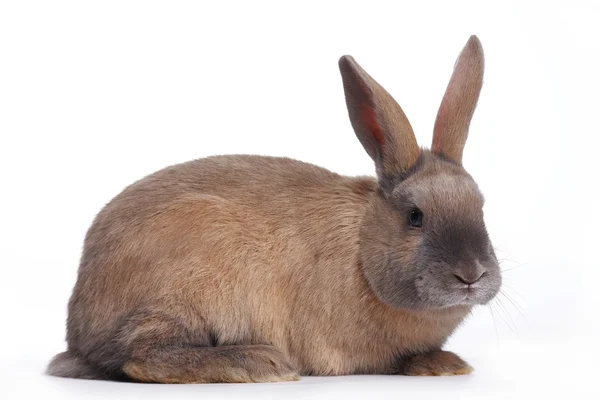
[(255, 269)]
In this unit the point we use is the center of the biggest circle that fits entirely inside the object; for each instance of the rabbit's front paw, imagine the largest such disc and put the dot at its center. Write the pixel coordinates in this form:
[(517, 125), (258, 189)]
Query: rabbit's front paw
[(437, 363)]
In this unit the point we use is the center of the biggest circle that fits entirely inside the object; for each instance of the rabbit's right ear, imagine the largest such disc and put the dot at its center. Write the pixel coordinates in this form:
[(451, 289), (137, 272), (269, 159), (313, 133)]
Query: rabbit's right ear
[(378, 121), (454, 116)]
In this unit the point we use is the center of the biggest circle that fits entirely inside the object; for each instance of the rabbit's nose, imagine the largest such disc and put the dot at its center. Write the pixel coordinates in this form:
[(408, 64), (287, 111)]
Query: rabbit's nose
[(470, 280), (472, 275)]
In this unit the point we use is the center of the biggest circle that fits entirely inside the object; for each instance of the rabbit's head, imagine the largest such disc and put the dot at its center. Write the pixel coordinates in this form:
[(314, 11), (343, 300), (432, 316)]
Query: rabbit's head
[(423, 242)]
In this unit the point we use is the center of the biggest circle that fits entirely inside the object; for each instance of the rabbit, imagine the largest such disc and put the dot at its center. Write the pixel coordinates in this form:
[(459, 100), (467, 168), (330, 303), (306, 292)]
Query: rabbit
[(242, 268)]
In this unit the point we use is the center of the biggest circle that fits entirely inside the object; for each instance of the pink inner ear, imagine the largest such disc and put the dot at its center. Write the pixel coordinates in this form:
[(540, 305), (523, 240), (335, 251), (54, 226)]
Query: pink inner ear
[(370, 121)]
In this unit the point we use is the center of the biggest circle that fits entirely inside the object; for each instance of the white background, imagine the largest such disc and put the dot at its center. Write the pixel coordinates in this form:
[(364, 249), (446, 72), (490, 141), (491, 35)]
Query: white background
[(95, 95)]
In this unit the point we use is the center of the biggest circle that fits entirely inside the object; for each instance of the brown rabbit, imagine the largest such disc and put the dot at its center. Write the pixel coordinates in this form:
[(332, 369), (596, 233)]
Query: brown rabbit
[(260, 269)]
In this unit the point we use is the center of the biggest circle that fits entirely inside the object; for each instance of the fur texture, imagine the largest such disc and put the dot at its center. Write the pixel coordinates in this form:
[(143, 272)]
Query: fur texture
[(259, 269)]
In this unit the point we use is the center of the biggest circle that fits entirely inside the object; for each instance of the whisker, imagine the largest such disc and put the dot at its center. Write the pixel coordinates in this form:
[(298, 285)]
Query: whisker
[(510, 269), (502, 318), (512, 301), (504, 285), (494, 319), (517, 306), (507, 314)]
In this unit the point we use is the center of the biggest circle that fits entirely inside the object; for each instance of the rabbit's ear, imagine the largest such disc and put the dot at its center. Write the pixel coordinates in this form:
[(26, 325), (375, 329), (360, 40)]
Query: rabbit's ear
[(378, 121), (454, 116)]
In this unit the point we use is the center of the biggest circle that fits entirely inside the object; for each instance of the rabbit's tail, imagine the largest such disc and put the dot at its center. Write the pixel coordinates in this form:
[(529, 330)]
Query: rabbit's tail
[(68, 365)]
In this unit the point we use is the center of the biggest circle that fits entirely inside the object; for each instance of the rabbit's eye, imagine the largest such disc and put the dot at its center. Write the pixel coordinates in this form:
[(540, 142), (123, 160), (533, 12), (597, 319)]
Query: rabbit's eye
[(416, 218)]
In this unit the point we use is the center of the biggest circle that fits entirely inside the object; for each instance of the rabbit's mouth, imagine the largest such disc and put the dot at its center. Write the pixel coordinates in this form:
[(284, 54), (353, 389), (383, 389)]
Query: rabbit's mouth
[(478, 293), (472, 295), (441, 291)]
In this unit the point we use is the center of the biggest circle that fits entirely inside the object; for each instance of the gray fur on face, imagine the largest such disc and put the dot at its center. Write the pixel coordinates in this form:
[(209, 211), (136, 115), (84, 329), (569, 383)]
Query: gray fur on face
[(426, 267)]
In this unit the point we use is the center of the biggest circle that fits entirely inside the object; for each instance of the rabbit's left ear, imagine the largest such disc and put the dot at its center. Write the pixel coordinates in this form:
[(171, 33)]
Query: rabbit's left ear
[(454, 116)]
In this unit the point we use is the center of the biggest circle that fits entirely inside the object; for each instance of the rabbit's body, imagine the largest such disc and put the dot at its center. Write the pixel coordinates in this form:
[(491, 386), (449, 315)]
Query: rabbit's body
[(254, 269), (221, 246)]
